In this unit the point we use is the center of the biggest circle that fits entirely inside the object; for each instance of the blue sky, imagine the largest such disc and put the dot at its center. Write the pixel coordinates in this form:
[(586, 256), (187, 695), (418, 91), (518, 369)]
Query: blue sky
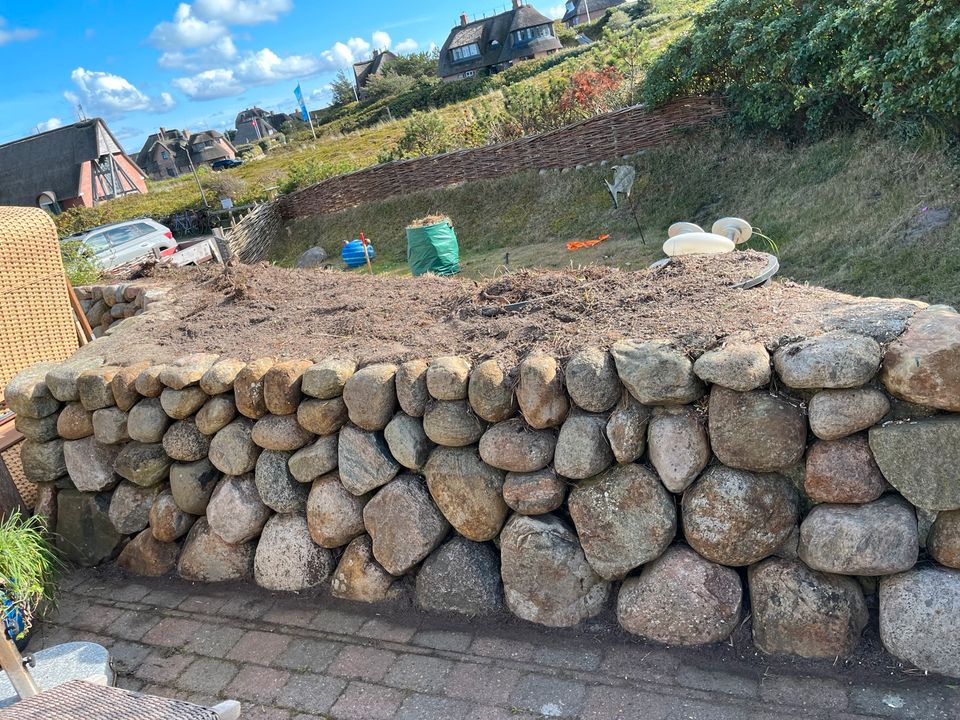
[(141, 65)]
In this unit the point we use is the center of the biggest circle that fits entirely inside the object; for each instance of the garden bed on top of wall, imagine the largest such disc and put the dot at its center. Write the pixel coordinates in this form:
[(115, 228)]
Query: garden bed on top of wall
[(657, 444)]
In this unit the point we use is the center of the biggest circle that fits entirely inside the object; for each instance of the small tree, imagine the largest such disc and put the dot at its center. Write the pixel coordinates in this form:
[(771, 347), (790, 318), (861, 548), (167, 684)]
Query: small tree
[(389, 85), (342, 89), (628, 53), (80, 262)]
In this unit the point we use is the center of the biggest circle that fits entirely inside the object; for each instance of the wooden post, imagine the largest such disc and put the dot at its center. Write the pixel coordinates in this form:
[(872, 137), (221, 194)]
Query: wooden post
[(78, 311), (366, 255), (12, 665)]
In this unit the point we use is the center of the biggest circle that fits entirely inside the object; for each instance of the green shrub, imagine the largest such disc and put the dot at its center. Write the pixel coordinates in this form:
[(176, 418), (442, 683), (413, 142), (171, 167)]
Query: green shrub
[(27, 564), (80, 262), (303, 173), (424, 134)]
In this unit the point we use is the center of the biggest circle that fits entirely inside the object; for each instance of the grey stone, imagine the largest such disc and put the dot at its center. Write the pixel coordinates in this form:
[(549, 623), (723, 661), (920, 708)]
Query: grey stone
[(124, 386), (43, 461), (207, 558), (312, 257), (279, 490), (468, 492), (74, 422), (461, 577), (799, 611), (546, 576), (309, 463), (837, 413), (281, 386), (142, 463), (280, 432), (627, 429), (85, 535), (407, 440), (540, 392), (624, 518), (147, 422), (876, 538), (919, 616), (736, 518), (90, 464), (145, 556), (232, 450), (411, 385), (739, 365), (452, 423), (943, 539), (490, 392), (181, 404), (834, 360), (371, 397), (364, 461), (286, 557), (326, 379), (167, 521), (921, 459), (755, 431), (216, 413), (404, 524), (359, 576), (148, 381), (678, 446), (61, 380), (883, 320), (842, 471), (37, 429), (220, 377), (27, 393), (248, 388), (447, 378), (582, 448), (184, 442), (534, 493), (681, 599), (235, 511), (334, 515), (95, 387), (592, 380), (130, 507), (323, 417), (656, 373), (110, 426), (192, 484), (515, 446), (187, 370)]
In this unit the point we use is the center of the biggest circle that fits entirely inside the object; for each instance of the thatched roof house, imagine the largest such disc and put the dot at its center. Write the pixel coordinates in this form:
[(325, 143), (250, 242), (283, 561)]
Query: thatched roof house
[(578, 12), (364, 72), (169, 153)]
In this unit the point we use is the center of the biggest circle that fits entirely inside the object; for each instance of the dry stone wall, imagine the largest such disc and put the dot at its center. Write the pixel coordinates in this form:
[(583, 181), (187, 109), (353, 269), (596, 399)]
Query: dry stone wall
[(106, 305), (682, 492)]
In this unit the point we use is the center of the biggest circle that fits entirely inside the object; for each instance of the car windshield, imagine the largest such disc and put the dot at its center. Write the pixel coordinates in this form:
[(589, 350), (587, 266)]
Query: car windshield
[(126, 233)]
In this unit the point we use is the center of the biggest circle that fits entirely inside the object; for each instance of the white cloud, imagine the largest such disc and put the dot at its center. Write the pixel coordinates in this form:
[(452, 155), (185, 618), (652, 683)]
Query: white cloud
[(242, 12), (407, 46), (51, 124), (11, 35), (221, 51), (555, 12), (209, 84), (259, 68), (358, 46), (186, 30), (381, 40), (103, 93)]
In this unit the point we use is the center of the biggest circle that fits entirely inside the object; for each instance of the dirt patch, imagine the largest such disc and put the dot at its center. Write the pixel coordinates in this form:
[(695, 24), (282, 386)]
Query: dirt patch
[(257, 311)]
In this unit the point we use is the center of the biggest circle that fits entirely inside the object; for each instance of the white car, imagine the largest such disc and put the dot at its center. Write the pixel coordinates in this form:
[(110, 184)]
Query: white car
[(121, 242)]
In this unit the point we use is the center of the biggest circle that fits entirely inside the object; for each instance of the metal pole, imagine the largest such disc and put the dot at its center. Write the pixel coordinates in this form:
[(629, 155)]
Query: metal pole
[(196, 177), (586, 5)]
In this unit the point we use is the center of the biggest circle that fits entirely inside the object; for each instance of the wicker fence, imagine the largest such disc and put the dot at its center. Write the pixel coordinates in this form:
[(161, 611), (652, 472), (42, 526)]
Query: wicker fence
[(253, 236), (603, 137)]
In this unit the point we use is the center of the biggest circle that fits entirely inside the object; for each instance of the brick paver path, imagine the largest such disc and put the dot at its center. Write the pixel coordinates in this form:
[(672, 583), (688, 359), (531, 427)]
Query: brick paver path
[(286, 657)]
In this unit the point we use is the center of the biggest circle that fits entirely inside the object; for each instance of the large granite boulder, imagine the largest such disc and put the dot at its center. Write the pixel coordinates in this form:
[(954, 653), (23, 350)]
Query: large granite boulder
[(44, 461), (309, 463), (110, 426), (145, 556), (656, 372), (248, 388), (281, 386), (90, 464), (187, 370), (235, 511), (534, 493), (359, 577), (232, 450), (835, 360), (491, 392), (130, 507), (287, 559), (461, 577), (27, 393), (94, 387), (279, 489), (364, 460), (452, 423), (192, 484), (540, 392), (371, 396), (147, 422), (592, 380), (216, 413), (468, 492), (837, 413), (447, 378), (167, 521), (923, 364), (280, 432), (184, 442), (627, 429), (207, 558), (322, 417), (220, 377), (326, 379), (181, 404), (334, 515), (740, 365), (85, 534), (124, 386), (142, 463), (546, 576), (755, 430), (407, 441), (514, 446), (582, 448), (411, 386), (842, 471), (678, 446), (38, 429), (61, 380)]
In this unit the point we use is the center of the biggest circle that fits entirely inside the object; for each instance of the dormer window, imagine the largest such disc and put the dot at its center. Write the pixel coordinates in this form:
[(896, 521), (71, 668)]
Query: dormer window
[(464, 52), (528, 35)]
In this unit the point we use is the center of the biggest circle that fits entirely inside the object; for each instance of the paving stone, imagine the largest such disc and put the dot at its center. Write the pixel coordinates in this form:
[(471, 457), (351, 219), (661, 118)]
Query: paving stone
[(418, 672), (550, 696), (365, 663), (568, 658), (481, 683), (717, 681), (496, 647), (259, 647), (160, 667), (384, 630), (443, 640), (808, 693), (362, 701), (259, 684), (315, 693), (308, 655), (337, 621), (427, 707), (173, 632), (207, 675), (214, 640)]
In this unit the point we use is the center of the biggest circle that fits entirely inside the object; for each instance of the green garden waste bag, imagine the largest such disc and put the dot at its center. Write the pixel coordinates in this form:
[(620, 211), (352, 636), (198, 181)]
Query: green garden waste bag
[(433, 248)]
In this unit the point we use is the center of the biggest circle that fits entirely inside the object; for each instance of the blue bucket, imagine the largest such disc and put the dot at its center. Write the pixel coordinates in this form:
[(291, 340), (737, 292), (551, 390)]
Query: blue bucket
[(352, 254)]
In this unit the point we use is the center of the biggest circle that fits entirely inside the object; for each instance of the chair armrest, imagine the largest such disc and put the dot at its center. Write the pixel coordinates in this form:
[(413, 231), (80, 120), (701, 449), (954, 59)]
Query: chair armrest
[(227, 710)]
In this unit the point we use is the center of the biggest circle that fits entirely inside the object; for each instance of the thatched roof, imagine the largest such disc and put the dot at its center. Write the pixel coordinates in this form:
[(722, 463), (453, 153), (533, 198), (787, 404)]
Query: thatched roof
[(576, 8), (363, 71)]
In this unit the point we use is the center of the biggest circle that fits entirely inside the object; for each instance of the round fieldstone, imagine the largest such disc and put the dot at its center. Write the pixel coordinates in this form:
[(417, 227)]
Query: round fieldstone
[(145, 464), (364, 460), (220, 377), (452, 423), (124, 386), (41, 429), (371, 397), (235, 511), (216, 413), (656, 372), (280, 432), (359, 577), (837, 413), (148, 381), (736, 518), (186, 371), (461, 577), (281, 386), (407, 440), (181, 404), (491, 392), (334, 515), (61, 380), (130, 507), (192, 484), (322, 417), (534, 493), (627, 429), (514, 446), (287, 559), (90, 464), (738, 365), (248, 388), (447, 378), (309, 463), (943, 540), (678, 444), (145, 556), (592, 380), (110, 426), (76, 423), (843, 471), (411, 386), (27, 393), (468, 492), (326, 379), (835, 360), (624, 518), (923, 364), (876, 538), (147, 422), (404, 524), (207, 558), (755, 430), (232, 450), (167, 521), (546, 576), (43, 461), (540, 392), (94, 387), (279, 489), (799, 611), (681, 599), (582, 448), (184, 442)]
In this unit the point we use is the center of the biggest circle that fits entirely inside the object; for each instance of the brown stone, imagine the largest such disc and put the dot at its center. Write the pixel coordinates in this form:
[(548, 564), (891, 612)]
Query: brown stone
[(207, 558), (943, 542), (145, 556), (678, 446), (281, 386), (447, 378), (491, 392), (468, 492), (167, 521), (322, 417), (94, 387), (148, 381), (326, 379), (124, 386), (280, 432), (837, 413), (755, 430), (592, 380), (534, 493), (359, 576), (738, 365), (923, 364), (514, 446), (74, 422), (371, 397), (248, 388), (411, 386), (334, 515), (220, 377), (656, 372), (186, 371), (540, 392), (452, 423), (627, 429), (216, 413), (843, 471), (181, 404)]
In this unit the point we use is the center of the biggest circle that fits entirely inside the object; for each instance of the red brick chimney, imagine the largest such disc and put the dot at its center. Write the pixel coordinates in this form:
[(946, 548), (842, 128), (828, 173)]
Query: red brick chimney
[(463, 19)]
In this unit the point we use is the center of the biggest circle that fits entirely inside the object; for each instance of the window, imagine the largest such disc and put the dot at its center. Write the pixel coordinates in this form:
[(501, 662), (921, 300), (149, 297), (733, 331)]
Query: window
[(164, 154), (98, 243), (127, 233), (465, 52), (527, 35)]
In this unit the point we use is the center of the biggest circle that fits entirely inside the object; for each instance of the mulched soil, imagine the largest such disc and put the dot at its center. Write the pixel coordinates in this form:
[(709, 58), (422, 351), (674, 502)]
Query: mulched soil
[(257, 311)]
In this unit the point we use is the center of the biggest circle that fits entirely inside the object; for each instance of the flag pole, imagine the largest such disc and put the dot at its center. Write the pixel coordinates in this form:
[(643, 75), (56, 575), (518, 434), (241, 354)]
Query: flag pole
[(303, 106)]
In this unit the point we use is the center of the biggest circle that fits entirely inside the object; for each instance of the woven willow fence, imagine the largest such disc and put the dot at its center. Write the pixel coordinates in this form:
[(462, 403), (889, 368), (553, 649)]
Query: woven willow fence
[(253, 236)]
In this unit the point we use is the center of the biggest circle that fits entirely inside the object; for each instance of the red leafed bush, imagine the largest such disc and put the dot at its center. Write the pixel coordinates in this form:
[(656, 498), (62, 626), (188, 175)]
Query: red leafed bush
[(591, 92)]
